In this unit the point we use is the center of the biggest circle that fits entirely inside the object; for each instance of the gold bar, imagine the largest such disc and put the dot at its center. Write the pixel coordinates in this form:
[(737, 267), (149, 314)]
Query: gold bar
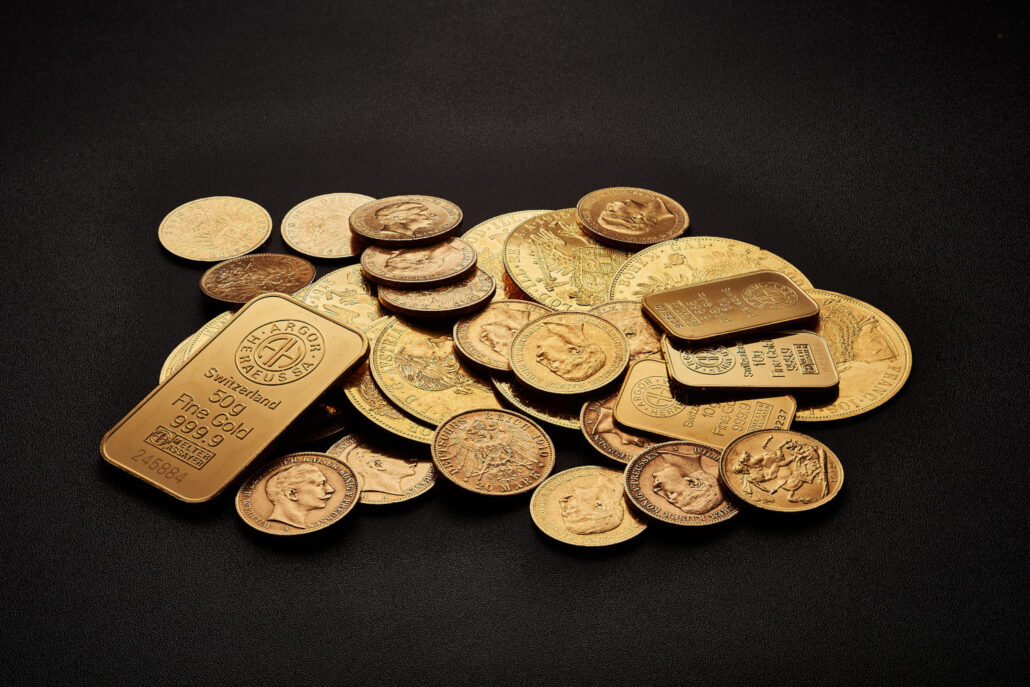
[(194, 433)]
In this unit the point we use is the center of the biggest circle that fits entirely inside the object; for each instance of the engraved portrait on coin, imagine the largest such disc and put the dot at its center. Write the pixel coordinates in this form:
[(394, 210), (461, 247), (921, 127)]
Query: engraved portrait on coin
[(686, 486), (636, 216), (405, 261), (632, 217), (389, 474), (592, 506), (566, 351), (678, 482), (405, 220), (296, 491), (585, 506), (597, 421), (644, 339), (280, 352), (433, 265)]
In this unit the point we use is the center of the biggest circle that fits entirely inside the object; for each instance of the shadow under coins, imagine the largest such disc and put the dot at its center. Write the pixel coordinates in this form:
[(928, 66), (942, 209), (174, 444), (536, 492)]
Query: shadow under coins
[(142, 492), (612, 551), (776, 522)]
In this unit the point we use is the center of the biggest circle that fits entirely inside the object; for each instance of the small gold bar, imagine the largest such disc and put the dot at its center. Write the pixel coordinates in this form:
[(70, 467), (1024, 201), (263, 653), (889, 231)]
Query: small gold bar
[(724, 307), (647, 402), (796, 360), (199, 428)]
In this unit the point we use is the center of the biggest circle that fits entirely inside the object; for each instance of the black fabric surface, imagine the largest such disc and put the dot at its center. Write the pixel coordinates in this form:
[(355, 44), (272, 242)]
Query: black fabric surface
[(881, 148)]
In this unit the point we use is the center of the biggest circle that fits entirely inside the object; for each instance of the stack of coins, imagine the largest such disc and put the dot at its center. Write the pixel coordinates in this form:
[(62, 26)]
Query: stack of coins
[(682, 360)]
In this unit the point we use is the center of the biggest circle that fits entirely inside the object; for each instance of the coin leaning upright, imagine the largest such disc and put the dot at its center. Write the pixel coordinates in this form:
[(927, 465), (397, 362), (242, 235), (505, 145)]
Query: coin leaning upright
[(320, 226), (678, 482), (406, 220), (631, 217), (237, 280), (214, 229)]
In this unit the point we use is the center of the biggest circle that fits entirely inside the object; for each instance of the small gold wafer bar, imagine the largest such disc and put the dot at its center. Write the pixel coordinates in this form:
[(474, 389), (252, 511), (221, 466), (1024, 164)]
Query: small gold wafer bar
[(204, 424)]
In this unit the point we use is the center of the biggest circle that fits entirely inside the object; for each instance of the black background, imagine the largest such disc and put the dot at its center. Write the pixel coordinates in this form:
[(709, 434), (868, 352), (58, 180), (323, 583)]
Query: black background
[(879, 147)]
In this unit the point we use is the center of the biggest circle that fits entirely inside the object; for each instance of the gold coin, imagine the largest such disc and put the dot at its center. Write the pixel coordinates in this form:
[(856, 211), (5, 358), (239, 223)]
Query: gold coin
[(459, 298), (297, 494), (604, 433), (363, 393), (631, 217), (872, 355), (782, 470), (215, 229), (678, 482), (556, 264), (406, 220), (419, 268), (388, 473), (173, 361), (488, 240), (496, 452), (645, 341), (484, 338), (568, 353), (554, 410), (320, 226), (239, 279), (586, 506), (346, 296), (691, 260), (415, 367), (191, 344)]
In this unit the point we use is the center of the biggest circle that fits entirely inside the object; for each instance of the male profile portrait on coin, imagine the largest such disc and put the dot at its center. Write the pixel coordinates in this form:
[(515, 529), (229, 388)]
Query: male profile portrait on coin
[(567, 352), (416, 260), (645, 341), (497, 331), (636, 216), (618, 439), (685, 484), (403, 219), (380, 472), (594, 506), (295, 492)]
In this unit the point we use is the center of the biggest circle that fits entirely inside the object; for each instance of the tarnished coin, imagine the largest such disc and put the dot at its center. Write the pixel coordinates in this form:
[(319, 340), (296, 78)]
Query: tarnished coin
[(406, 220), (415, 367), (363, 393), (297, 494), (485, 337), (215, 229), (645, 341), (320, 226), (388, 473), (872, 355), (192, 344), (631, 217), (240, 279), (488, 240), (568, 353), (782, 470), (555, 410), (459, 298), (691, 260), (605, 434), (496, 452), (556, 264), (424, 267), (586, 506), (678, 482), (346, 296)]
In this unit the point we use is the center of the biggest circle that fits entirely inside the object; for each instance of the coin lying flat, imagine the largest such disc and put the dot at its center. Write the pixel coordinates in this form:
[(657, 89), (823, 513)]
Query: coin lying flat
[(693, 259), (488, 240), (344, 295), (363, 393), (631, 217), (872, 355), (605, 434), (586, 506), (678, 482), (190, 345), (782, 470), (388, 473), (406, 220), (568, 353), (320, 226), (297, 494), (240, 279), (424, 267), (415, 367), (550, 409), (645, 341), (215, 229), (556, 264), (459, 298), (496, 452), (485, 337)]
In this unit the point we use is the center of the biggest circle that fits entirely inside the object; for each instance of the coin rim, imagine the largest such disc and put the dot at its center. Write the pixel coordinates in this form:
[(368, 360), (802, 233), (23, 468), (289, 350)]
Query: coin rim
[(416, 312), (619, 241), (420, 283), (401, 243), (461, 328), (595, 442), (391, 498), (497, 380), (253, 256), (324, 256), (267, 234)]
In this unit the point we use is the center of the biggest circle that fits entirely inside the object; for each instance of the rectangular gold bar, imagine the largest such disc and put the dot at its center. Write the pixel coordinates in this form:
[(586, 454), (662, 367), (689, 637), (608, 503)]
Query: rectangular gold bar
[(796, 360), (724, 307), (194, 433), (646, 402)]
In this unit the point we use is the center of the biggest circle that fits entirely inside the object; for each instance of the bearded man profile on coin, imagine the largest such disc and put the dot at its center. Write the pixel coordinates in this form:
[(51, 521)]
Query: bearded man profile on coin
[(414, 260), (498, 332), (632, 216), (686, 485), (295, 492), (402, 220), (593, 507), (567, 352), (381, 473)]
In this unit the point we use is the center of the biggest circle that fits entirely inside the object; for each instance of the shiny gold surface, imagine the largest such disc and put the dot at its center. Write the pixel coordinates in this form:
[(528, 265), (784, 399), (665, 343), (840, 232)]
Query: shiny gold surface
[(556, 264), (389, 473), (495, 452), (551, 409), (346, 296), (406, 220), (322, 419), (424, 267), (320, 226), (693, 259), (485, 338), (644, 339), (471, 293), (781, 470), (586, 506), (646, 402), (239, 279), (631, 217), (488, 240), (195, 432), (605, 434), (215, 229), (678, 482), (796, 360), (871, 351)]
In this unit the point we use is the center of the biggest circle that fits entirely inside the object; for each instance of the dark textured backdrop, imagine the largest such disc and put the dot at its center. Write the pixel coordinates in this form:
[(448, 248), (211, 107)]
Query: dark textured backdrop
[(880, 148)]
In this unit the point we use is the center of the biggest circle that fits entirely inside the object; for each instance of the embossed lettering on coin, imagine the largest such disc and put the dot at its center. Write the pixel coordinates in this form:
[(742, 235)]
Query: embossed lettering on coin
[(585, 506), (631, 216), (485, 337), (320, 226), (406, 220), (678, 482), (426, 266), (346, 296), (240, 279), (214, 229), (488, 240), (389, 474)]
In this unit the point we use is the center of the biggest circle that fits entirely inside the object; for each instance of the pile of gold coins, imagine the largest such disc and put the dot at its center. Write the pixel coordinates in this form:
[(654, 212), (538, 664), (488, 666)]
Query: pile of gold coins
[(683, 361)]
